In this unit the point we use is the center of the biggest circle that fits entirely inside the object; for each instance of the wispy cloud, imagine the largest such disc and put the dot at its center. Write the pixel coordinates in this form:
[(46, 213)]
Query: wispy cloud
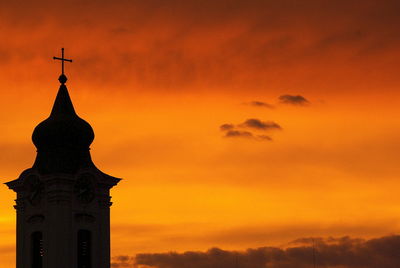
[(226, 127), (251, 125), (294, 100), (237, 133), (260, 104), (260, 125)]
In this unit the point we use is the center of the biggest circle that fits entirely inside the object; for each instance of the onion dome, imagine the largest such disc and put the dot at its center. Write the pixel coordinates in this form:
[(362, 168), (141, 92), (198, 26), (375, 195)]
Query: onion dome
[(64, 129), (63, 139)]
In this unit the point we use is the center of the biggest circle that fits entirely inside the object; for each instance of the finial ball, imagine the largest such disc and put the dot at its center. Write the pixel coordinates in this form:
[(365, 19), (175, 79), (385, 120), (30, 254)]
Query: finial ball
[(63, 79)]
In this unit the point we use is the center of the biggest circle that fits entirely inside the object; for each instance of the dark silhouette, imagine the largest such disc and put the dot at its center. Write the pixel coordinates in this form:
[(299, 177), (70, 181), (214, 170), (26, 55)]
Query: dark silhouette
[(37, 249), (63, 200), (84, 249), (62, 59)]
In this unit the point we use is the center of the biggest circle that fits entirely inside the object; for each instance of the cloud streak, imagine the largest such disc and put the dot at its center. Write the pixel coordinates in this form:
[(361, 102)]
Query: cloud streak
[(237, 133), (344, 252), (260, 125), (260, 104), (226, 127), (294, 100), (253, 124)]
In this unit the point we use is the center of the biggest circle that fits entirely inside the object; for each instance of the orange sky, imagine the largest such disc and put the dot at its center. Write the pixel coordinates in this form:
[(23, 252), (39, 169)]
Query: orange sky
[(156, 79)]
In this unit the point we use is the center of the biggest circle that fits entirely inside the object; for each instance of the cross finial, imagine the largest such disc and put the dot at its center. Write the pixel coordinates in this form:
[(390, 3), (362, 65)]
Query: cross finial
[(62, 77)]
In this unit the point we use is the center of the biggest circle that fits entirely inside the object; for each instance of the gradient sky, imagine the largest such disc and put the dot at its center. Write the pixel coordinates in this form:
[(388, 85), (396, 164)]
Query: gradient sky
[(156, 80)]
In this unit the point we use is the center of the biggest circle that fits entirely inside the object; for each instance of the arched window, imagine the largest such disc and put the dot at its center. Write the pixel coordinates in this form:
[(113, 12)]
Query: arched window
[(37, 250), (84, 249)]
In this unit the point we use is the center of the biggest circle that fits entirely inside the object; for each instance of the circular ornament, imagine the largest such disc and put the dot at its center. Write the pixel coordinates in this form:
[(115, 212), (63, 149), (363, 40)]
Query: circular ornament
[(84, 189)]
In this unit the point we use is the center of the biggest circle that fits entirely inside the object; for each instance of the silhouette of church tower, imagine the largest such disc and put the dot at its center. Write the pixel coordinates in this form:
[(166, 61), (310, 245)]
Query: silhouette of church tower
[(63, 200)]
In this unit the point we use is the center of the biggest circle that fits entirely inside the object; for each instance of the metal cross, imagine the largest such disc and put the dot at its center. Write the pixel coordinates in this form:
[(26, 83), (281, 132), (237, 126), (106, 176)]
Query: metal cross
[(62, 59)]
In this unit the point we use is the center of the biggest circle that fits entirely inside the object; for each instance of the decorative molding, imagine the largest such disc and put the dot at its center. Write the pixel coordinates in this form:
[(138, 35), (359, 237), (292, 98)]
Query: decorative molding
[(59, 196), (105, 201), (19, 204), (84, 217), (35, 219)]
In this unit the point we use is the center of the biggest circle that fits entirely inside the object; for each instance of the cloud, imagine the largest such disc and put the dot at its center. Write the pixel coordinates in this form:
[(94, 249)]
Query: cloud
[(122, 261), (246, 134), (158, 45), (226, 127), (260, 104), (344, 252), (264, 137), (260, 125), (294, 100), (237, 133), (232, 131)]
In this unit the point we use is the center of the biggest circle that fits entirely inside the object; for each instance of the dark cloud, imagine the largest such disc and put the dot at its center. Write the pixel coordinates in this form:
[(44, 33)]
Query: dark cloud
[(264, 137), (342, 252), (237, 133), (122, 261), (232, 131), (246, 134), (226, 127), (260, 104), (294, 100), (260, 125), (158, 44)]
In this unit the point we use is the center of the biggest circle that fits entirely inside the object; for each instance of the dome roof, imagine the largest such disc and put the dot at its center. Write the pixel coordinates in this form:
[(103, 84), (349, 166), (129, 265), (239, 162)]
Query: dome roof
[(64, 130)]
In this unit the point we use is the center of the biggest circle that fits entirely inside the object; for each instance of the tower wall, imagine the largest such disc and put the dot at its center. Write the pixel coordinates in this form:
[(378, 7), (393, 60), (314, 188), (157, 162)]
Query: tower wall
[(59, 216)]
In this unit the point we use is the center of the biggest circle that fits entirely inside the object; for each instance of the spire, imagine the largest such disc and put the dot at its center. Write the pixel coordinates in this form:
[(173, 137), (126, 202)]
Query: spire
[(63, 139), (63, 105)]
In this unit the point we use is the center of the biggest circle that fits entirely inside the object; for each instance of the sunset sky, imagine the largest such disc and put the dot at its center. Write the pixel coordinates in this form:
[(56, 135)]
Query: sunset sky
[(307, 94)]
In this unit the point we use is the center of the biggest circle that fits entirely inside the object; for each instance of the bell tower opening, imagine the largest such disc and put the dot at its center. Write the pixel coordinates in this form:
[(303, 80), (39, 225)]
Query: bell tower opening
[(84, 249), (37, 250)]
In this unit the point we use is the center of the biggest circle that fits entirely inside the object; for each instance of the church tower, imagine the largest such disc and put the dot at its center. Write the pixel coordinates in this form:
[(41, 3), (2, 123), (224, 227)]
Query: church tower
[(63, 200)]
